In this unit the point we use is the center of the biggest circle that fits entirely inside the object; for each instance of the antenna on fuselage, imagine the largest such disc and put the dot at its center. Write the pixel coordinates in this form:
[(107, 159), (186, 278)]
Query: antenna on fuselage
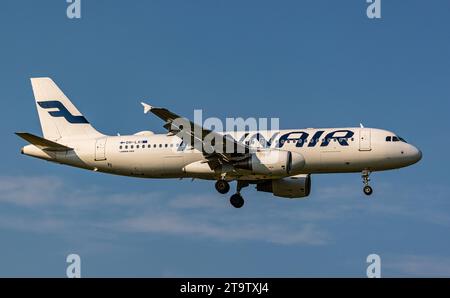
[(361, 125)]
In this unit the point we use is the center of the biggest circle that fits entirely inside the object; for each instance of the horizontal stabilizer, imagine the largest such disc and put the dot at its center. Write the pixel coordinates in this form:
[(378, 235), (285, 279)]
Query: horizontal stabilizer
[(42, 143)]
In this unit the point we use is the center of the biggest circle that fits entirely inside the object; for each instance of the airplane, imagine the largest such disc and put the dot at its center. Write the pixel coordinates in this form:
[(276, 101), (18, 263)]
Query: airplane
[(280, 162)]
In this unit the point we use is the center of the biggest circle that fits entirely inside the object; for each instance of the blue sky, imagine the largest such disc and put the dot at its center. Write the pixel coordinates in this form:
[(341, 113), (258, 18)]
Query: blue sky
[(310, 63)]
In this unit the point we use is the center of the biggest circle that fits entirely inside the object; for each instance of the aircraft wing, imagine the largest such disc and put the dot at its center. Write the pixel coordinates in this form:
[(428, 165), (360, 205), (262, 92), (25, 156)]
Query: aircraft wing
[(223, 149), (42, 143)]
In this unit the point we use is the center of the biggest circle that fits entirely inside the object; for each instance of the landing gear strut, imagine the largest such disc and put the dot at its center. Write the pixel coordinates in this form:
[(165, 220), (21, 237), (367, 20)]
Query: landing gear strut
[(237, 200), (365, 176), (222, 186)]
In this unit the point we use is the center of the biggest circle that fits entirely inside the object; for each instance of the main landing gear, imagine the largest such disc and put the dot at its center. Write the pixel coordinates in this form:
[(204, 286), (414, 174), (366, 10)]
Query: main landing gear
[(237, 200), (367, 189), (222, 186)]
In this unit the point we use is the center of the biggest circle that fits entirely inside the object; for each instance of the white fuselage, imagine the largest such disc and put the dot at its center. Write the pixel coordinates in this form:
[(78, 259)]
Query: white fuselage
[(148, 155)]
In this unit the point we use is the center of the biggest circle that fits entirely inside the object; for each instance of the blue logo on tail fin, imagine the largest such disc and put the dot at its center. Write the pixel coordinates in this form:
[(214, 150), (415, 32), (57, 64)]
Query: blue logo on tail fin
[(62, 111)]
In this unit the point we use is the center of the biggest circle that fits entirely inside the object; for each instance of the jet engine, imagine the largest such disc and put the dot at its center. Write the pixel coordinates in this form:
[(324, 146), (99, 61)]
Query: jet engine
[(290, 187), (272, 162)]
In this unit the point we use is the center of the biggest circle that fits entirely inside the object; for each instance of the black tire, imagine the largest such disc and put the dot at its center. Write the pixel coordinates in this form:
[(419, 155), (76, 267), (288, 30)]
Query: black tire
[(222, 186), (367, 190), (237, 201)]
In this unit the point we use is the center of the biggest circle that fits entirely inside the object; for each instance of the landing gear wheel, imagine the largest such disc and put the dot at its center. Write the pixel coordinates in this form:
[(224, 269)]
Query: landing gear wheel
[(237, 201), (368, 190), (222, 186), (365, 176)]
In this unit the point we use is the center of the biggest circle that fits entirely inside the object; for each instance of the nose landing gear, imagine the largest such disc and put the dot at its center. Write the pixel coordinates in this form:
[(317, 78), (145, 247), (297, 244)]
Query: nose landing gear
[(367, 188)]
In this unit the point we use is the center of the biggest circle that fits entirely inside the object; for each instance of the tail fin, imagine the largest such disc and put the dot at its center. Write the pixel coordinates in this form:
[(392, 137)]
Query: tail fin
[(59, 117)]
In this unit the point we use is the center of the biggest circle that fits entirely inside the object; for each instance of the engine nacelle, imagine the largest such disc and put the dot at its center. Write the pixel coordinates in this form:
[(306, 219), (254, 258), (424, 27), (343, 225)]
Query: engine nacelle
[(273, 162), (290, 187)]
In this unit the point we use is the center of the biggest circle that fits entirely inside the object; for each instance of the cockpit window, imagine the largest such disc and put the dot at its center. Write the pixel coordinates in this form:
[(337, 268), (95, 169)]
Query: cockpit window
[(395, 139)]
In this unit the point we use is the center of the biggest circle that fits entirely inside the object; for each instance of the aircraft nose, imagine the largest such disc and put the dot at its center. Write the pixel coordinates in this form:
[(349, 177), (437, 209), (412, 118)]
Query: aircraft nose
[(415, 154)]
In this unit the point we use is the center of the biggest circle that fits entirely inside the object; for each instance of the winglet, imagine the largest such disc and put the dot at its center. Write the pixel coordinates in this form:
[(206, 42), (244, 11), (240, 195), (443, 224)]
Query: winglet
[(147, 107)]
